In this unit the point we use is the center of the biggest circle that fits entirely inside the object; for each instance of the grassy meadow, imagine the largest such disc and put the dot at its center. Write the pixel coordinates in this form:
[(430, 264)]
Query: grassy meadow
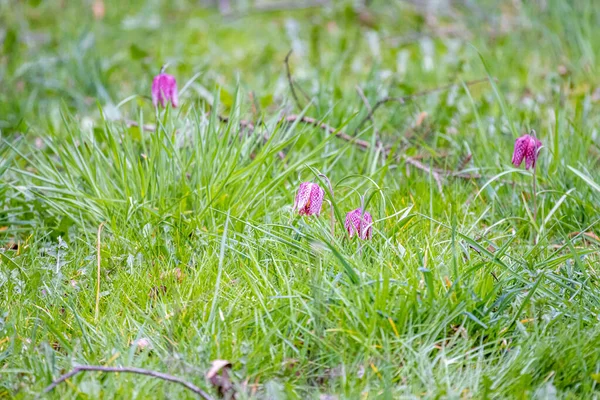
[(166, 239)]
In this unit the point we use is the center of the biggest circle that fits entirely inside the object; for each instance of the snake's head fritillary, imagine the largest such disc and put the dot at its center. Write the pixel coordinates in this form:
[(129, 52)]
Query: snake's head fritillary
[(309, 199), (359, 223), (164, 90), (526, 148)]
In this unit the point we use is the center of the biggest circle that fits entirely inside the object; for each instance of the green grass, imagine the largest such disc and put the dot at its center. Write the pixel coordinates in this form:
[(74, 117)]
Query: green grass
[(460, 294)]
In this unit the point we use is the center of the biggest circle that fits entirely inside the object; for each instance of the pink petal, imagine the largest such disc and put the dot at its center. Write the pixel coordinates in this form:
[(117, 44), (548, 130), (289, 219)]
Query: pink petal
[(352, 223), (302, 197), (520, 149), (316, 200), (164, 89), (174, 95), (156, 90), (531, 154), (366, 226)]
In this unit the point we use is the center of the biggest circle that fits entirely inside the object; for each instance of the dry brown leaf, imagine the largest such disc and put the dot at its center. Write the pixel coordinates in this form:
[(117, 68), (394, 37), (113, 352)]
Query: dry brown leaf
[(218, 376), (596, 94), (421, 118), (143, 344), (157, 291), (98, 9), (562, 70), (361, 372), (586, 236), (178, 274)]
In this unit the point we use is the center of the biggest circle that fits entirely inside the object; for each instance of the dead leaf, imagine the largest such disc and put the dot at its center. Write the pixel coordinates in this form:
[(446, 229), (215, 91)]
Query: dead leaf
[(464, 161), (156, 291), (218, 376), (421, 118), (178, 274), (589, 237), (562, 70), (361, 372), (596, 94), (367, 19), (143, 344), (98, 9), (12, 246)]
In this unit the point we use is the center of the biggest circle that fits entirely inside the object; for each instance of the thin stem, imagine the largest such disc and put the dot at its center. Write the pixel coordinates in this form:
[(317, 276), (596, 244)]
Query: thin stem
[(332, 211), (360, 223), (405, 99), (132, 370), (534, 194), (537, 151), (290, 81)]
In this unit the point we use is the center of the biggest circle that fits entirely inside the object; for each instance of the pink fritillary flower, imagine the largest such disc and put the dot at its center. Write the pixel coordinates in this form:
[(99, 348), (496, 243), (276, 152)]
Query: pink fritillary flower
[(164, 89), (526, 148), (309, 199), (359, 223)]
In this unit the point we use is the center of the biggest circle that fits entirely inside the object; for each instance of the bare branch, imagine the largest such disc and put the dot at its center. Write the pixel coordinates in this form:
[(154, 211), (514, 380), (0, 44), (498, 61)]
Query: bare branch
[(224, 7), (404, 99), (145, 127), (290, 81), (131, 370), (363, 144), (291, 5), (423, 167)]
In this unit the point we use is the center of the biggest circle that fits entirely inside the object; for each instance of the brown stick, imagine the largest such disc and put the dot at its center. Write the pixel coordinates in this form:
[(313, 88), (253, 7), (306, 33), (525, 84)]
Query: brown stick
[(362, 144), (291, 5), (291, 83), (145, 127), (131, 370), (404, 99), (421, 166)]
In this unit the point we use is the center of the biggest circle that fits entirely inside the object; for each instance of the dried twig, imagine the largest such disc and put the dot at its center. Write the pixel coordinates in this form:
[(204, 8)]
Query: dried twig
[(404, 99), (243, 123), (131, 370), (145, 127), (224, 7), (434, 173), (464, 161), (363, 144), (291, 5), (290, 81)]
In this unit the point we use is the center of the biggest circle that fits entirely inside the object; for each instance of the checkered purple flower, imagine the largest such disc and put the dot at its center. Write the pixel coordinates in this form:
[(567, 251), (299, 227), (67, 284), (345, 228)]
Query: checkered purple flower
[(164, 90), (526, 148), (309, 199), (359, 223)]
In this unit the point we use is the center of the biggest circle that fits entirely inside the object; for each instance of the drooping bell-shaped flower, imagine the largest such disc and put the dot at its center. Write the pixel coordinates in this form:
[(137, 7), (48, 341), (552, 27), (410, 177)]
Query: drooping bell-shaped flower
[(359, 223), (526, 148), (309, 199), (164, 90)]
